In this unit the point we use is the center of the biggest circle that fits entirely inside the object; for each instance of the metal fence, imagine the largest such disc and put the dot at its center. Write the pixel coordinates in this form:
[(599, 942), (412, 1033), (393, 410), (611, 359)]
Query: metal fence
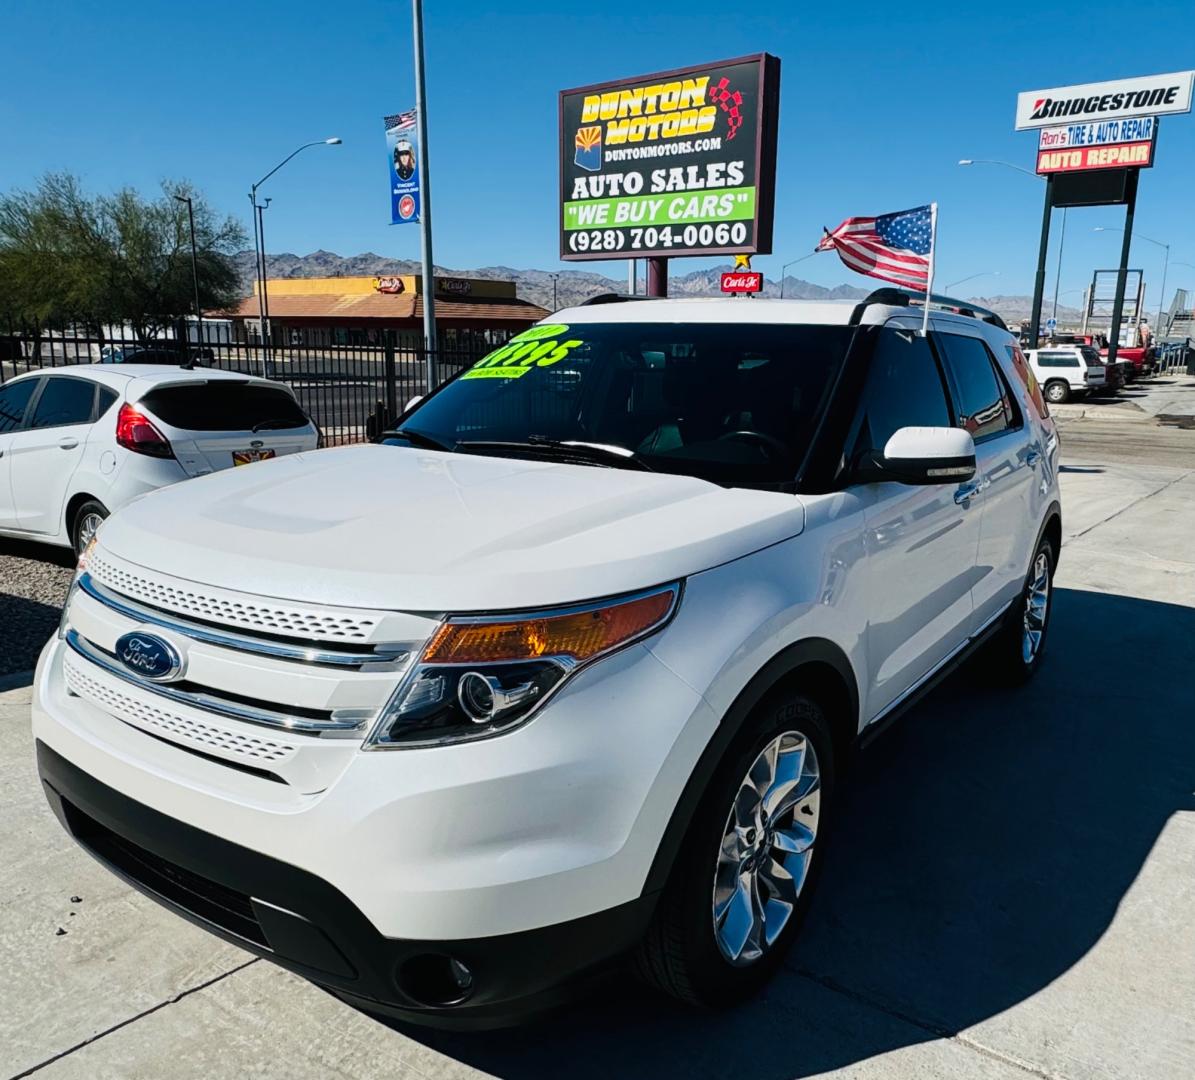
[(352, 382)]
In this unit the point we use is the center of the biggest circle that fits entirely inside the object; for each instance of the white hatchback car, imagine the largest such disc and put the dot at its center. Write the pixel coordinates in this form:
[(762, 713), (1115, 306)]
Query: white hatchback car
[(1066, 371), (570, 672), (77, 443)]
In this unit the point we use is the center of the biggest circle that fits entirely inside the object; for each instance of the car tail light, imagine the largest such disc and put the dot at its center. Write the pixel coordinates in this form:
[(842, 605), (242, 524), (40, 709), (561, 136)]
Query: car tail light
[(136, 432)]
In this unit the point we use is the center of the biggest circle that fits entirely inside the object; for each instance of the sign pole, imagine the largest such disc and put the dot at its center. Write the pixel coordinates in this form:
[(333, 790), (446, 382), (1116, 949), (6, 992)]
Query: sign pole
[(425, 209), (1122, 270), (657, 276), (1039, 284)]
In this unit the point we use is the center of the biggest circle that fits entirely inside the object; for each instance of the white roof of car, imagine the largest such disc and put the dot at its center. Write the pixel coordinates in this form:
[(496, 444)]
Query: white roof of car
[(119, 376)]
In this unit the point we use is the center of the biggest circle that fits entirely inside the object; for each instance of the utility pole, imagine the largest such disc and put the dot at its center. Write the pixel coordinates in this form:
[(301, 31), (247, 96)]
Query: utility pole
[(195, 268), (425, 199)]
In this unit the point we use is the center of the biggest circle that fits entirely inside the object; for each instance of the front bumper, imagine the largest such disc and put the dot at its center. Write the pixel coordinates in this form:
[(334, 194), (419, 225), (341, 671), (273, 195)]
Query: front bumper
[(305, 924)]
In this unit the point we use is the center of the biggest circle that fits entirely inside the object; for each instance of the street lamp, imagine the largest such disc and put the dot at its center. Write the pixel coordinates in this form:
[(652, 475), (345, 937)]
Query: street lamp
[(787, 265), (1165, 266), (553, 277), (971, 277), (1062, 235), (260, 240), (194, 269)]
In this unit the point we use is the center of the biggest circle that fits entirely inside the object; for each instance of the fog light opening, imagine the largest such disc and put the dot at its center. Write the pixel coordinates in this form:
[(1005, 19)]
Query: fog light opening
[(435, 980)]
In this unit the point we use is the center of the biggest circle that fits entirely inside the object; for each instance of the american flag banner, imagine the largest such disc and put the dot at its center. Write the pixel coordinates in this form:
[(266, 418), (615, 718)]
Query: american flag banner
[(893, 247)]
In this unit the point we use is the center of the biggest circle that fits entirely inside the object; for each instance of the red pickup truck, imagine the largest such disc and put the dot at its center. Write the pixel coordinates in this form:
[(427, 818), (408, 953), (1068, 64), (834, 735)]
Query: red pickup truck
[(1138, 359)]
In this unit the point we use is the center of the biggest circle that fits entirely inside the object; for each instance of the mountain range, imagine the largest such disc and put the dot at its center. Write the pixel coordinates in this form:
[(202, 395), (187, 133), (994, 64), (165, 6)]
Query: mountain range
[(558, 289)]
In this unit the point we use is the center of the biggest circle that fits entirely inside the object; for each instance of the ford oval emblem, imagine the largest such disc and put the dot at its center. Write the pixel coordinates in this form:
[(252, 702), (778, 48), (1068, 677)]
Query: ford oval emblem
[(149, 656)]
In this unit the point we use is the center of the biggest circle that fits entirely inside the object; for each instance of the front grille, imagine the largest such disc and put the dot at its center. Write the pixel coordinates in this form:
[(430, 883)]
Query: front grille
[(256, 749), (208, 605), (199, 896)]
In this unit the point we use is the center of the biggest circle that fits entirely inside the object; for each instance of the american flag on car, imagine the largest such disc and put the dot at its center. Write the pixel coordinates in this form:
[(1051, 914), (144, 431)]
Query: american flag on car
[(893, 247)]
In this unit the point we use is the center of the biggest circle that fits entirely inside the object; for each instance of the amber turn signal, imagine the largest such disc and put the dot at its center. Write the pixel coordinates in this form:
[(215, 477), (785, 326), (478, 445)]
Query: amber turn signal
[(581, 635)]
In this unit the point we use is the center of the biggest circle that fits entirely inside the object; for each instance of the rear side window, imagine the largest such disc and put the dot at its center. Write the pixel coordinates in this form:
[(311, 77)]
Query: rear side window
[(980, 393), (13, 401), (1025, 374), (903, 389), (225, 406), (1057, 360), (105, 400), (63, 401)]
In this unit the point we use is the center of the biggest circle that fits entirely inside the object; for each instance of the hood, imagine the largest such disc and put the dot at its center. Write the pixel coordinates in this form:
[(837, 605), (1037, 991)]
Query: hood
[(416, 530)]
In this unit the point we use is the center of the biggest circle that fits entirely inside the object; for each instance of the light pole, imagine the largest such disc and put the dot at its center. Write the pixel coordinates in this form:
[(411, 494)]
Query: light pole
[(971, 277), (554, 277), (194, 269), (1165, 267), (1062, 236), (262, 306), (787, 265)]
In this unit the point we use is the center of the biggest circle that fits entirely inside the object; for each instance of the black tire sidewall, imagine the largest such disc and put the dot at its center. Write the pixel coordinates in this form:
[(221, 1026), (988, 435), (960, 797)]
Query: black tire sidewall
[(1013, 633), (89, 507), (716, 981)]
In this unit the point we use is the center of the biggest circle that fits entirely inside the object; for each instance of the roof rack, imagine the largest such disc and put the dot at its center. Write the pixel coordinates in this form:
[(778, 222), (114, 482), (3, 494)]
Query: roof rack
[(906, 298), (614, 298)]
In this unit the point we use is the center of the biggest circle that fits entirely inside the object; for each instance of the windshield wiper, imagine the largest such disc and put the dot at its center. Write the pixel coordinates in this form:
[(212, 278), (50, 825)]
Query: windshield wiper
[(277, 421), (418, 438), (618, 457)]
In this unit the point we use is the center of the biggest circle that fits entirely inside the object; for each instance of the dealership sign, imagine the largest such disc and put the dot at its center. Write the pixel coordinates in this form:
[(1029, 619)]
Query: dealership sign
[(678, 163), (1148, 95)]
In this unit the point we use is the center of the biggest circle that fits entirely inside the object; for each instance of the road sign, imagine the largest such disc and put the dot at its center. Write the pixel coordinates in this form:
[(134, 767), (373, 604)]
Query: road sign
[(1051, 325)]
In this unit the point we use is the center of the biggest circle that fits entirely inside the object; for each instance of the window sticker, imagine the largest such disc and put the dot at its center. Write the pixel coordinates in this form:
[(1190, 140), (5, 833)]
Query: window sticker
[(541, 346)]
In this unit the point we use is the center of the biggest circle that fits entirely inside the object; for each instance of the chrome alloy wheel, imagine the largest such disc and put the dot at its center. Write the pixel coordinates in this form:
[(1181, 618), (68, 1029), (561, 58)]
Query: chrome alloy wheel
[(88, 527), (766, 848), (1037, 604)]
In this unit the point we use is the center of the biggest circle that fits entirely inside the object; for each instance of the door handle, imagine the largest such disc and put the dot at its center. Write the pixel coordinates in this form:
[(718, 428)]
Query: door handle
[(1033, 459), (67, 444)]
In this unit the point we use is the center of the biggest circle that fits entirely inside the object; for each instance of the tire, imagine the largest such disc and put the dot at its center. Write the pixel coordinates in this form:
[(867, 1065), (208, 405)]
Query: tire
[(688, 949), (87, 519), (1057, 392), (1014, 655)]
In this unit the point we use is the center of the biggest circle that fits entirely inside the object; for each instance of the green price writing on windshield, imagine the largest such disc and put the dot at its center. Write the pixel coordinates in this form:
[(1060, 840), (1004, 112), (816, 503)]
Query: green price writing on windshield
[(541, 346)]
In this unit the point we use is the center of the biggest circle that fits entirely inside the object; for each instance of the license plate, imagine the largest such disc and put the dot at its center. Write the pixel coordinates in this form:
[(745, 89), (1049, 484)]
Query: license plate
[(244, 457)]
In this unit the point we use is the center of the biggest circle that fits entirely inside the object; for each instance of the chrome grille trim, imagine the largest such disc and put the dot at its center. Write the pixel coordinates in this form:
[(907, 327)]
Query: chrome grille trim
[(349, 723), (253, 614), (277, 650)]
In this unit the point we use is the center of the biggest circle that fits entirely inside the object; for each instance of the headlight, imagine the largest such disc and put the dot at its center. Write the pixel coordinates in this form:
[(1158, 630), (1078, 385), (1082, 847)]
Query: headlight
[(64, 618), (479, 676)]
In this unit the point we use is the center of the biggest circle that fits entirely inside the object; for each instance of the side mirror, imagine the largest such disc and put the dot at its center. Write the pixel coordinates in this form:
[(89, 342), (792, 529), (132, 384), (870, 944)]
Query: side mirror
[(921, 455), (412, 403)]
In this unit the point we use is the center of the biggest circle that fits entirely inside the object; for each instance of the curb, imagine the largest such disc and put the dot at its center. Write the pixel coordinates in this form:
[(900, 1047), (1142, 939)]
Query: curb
[(17, 681)]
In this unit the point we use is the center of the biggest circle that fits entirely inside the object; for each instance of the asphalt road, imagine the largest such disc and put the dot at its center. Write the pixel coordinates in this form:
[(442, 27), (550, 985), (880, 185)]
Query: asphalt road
[(1011, 892)]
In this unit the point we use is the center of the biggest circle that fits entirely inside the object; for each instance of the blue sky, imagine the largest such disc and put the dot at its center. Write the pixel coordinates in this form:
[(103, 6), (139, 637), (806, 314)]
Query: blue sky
[(876, 109)]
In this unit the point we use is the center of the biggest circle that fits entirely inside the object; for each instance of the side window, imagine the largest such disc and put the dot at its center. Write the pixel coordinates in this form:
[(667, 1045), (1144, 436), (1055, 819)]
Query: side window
[(1025, 374), (13, 401), (903, 389), (106, 398), (63, 401), (982, 406)]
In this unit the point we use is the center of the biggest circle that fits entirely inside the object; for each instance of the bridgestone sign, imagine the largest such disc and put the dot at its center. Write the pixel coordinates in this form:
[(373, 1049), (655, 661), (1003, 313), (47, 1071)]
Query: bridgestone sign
[(1149, 95)]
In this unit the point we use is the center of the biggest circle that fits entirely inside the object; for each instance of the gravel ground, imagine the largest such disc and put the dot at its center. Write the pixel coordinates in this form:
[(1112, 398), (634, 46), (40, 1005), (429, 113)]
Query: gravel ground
[(33, 583)]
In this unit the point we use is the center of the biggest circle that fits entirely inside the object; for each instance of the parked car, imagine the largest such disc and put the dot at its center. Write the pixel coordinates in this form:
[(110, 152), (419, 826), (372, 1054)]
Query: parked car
[(1066, 371), (573, 673), (163, 351), (77, 443)]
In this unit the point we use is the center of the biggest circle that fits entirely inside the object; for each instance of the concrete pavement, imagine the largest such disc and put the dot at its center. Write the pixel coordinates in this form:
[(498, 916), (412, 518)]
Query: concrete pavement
[(1011, 892)]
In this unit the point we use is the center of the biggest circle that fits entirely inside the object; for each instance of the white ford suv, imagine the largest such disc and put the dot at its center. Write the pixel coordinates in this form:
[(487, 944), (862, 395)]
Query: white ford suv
[(569, 672)]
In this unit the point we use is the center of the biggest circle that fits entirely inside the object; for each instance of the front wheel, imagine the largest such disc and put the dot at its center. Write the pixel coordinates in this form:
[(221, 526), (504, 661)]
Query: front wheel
[(745, 875)]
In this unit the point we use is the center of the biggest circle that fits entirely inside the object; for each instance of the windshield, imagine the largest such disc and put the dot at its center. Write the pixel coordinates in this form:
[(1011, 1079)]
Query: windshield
[(736, 404)]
